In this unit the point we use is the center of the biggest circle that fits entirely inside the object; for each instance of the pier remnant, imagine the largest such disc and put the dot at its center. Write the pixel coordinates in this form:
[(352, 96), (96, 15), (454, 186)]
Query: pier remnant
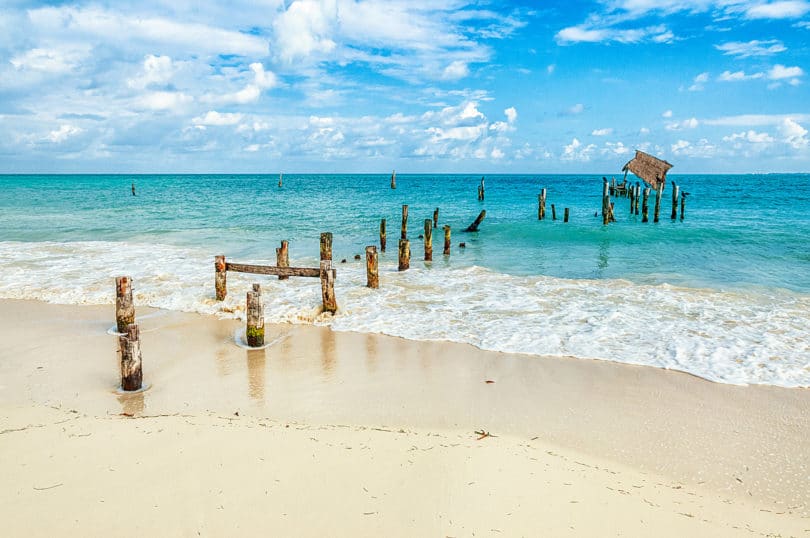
[(280, 179), (382, 235), (481, 190), (283, 258), (219, 277), (541, 205), (428, 240), (605, 201), (372, 268), (326, 246), (446, 251), (404, 255), (644, 206), (474, 226), (124, 306), (328, 286), (254, 311), (404, 231), (675, 190), (658, 193), (565, 215), (650, 169), (553, 212), (638, 195), (436, 218), (683, 203), (129, 345), (394, 179)]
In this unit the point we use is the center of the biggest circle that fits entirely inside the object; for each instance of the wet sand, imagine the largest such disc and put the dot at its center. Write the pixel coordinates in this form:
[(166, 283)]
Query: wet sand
[(647, 451)]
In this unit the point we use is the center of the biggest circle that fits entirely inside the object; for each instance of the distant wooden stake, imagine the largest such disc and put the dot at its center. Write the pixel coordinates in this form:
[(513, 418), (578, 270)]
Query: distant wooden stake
[(675, 189), (328, 286), (129, 345), (638, 195), (394, 179), (446, 250), (428, 240), (481, 190), (683, 203), (565, 215), (404, 231), (283, 258), (326, 246), (124, 306), (474, 226), (541, 205), (553, 212), (605, 202), (631, 191), (644, 205), (372, 268), (219, 277), (382, 235), (658, 192), (436, 218), (280, 179), (404, 254), (255, 317)]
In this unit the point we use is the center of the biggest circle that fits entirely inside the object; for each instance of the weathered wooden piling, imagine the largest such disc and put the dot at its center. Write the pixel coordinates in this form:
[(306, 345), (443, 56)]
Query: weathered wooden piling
[(605, 201), (328, 286), (553, 212), (481, 190), (129, 345), (436, 218), (612, 212), (658, 193), (446, 250), (280, 179), (326, 246), (404, 231), (565, 215), (382, 235), (683, 203), (631, 190), (219, 277), (254, 312), (404, 254), (283, 258), (638, 195), (644, 206), (372, 268), (428, 240), (394, 179), (124, 306), (541, 205), (474, 226), (675, 190)]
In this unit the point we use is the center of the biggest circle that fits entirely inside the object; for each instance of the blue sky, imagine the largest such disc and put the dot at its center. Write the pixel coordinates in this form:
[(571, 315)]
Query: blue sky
[(412, 85)]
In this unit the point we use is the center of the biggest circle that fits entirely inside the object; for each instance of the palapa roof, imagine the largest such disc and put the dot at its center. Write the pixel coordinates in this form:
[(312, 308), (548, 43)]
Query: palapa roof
[(651, 169)]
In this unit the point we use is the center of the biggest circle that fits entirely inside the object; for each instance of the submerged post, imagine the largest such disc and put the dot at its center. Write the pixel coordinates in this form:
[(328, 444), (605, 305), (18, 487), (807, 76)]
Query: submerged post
[(328, 286), (436, 218), (326, 246), (565, 215), (254, 311), (675, 189), (541, 205), (428, 240), (382, 235), (474, 226), (644, 207), (283, 258), (219, 277), (446, 250), (658, 193), (404, 254), (404, 232), (124, 306), (605, 201), (129, 344), (372, 268)]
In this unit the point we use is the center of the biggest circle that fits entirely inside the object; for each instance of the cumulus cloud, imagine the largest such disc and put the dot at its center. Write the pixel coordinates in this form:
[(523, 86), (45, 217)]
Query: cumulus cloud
[(793, 134), (155, 70), (456, 70), (698, 82), (779, 72), (690, 123), (214, 118), (787, 9), (576, 151), (162, 100), (750, 136), (736, 76), (64, 132), (602, 132), (666, 114), (50, 60)]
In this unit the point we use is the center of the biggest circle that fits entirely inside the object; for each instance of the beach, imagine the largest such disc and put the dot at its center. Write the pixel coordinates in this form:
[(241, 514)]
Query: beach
[(343, 433)]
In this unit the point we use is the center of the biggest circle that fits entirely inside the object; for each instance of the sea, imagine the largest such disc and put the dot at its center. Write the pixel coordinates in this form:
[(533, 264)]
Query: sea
[(723, 294)]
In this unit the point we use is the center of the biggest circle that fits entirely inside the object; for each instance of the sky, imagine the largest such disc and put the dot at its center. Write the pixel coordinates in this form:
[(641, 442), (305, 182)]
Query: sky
[(419, 86)]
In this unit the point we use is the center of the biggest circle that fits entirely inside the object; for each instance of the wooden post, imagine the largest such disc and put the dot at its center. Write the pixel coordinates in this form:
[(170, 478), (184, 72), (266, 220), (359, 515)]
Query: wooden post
[(254, 310), (631, 191), (605, 201), (436, 218), (129, 345), (644, 208), (372, 268), (446, 250), (394, 179), (326, 246), (474, 226), (553, 212), (280, 179), (428, 240), (481, 190), (675, 189), (382, 235), (658, 192), (404, 254), (565, 215), (683, 203), (404, 232), (328, 286), (124, 306), (612, 214), (638, 195), (283, 258), (541, 205)]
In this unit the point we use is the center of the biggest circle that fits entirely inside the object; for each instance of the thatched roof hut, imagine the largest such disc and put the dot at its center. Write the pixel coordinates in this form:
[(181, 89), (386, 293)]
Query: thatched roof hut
[(651, 169)]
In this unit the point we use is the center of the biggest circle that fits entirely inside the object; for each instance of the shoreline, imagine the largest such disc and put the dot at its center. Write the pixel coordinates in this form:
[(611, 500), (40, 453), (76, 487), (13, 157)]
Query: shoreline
[(744, 445)]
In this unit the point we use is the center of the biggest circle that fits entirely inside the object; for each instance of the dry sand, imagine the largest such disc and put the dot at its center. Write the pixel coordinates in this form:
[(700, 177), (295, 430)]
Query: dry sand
[(344, 434)]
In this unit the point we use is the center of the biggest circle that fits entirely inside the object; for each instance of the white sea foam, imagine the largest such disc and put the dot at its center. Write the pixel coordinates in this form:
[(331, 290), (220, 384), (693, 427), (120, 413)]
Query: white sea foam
[(761, 336)]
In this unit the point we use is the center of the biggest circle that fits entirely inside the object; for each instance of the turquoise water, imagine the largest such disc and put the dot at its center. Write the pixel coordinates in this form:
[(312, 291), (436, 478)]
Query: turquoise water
[(742, 253)]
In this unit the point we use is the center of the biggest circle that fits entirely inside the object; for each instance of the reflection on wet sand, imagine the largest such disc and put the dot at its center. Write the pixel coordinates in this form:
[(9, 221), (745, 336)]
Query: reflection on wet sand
[(132, 403), (256, 364), (328, 354)]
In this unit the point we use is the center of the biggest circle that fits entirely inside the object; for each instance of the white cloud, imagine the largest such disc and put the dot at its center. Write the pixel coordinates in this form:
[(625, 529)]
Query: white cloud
[(644, 131), (755, 120), (736, 76), (779, 72), (214, 118), (64, 132), (667, 114), (455, 70), (691, 123), (793, 134), (61, 60), (788, 9), (575, 151), (160, 100), (578, 108), (584, 34), (602, 132), (156, 70), (511, 114), (615, 148), (699, 81), (751, 48), (551, 68), (749, 136)]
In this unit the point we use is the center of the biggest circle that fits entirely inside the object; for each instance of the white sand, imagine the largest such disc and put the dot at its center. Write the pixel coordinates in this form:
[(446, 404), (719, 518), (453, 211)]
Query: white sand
[(342, 434)]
